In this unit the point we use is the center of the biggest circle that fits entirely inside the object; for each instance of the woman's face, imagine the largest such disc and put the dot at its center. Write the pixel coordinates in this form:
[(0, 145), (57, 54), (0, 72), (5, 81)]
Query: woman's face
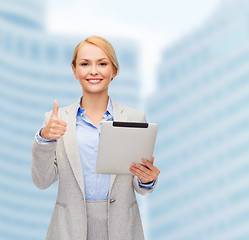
[(93, 69)]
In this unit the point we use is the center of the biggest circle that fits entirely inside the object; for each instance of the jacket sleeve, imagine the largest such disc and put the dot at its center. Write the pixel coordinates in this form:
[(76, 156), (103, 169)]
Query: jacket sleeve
[(142, 190), (43, 161)]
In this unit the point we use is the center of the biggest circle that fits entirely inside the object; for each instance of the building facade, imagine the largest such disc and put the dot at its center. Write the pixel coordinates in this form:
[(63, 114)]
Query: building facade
[(35, 69), (202, 108)]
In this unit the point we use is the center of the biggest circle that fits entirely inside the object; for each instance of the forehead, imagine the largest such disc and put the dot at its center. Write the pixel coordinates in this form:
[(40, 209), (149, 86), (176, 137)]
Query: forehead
[(91, 52)]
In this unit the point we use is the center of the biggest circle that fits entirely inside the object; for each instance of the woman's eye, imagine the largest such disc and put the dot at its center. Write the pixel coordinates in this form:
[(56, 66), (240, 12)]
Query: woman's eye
[(84, 64), (103, 64)]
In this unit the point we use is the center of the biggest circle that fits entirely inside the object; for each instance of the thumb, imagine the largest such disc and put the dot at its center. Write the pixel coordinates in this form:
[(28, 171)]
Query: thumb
[(56, 108), (152, 160)]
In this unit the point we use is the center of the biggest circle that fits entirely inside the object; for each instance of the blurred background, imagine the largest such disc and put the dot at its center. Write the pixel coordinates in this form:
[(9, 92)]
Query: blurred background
[(185, 63)]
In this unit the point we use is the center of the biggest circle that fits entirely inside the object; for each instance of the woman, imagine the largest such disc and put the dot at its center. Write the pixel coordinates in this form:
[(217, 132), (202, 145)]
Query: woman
[(89, 206)]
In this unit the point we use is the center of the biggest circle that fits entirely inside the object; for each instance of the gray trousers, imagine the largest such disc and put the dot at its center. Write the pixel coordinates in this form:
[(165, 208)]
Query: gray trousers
[(97, 220)]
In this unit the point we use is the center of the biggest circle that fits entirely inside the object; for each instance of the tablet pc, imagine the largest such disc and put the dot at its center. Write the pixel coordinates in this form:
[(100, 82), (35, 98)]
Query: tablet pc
[(122, 143)]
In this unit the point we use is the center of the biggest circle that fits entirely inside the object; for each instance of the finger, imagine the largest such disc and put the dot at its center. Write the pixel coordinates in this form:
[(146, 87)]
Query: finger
[(138, 173), (142, 175), (56, 108), (58, 123), (57, 134), (150, 166), (142, 168), (153, 171), (59, 129), (144, 172), (61, 122), (142, 179)]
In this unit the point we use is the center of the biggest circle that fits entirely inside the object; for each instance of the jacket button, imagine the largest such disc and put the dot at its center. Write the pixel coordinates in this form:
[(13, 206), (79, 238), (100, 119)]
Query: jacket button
[(112, 200)]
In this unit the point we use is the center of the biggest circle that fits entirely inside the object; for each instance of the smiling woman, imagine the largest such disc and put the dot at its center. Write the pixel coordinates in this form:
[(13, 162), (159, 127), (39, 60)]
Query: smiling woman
[(93, 67), (89, 206)]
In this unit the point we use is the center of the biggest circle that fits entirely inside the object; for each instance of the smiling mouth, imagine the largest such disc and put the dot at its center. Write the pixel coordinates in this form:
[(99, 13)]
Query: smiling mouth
[(94, 80)]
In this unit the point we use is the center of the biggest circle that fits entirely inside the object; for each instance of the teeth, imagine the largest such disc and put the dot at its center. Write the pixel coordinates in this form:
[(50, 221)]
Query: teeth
[(94, 81)]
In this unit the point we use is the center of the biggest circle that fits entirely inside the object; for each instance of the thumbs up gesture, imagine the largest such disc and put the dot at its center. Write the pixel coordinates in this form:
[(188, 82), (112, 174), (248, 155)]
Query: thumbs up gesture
[(55, 127)]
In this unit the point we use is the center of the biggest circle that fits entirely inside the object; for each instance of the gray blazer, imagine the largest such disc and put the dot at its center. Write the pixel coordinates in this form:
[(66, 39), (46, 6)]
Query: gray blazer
[(61, 158)]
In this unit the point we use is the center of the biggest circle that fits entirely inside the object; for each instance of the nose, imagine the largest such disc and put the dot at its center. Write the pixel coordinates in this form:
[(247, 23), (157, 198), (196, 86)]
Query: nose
[(93, 70)]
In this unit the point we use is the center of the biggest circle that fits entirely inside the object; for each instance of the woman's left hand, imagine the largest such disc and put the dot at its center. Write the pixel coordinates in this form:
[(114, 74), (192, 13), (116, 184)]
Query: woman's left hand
[(147, 173)]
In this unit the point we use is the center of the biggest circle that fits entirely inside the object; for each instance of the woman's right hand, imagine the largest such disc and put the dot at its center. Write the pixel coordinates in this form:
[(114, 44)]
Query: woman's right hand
[(55, 127)]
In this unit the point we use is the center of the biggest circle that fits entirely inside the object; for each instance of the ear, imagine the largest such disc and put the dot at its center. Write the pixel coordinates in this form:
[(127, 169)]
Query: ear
[(74, 72), (114, 74)]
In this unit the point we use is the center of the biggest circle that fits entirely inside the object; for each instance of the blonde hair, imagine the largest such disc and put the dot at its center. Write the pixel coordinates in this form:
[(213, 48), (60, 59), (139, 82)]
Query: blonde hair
[(103, 44)]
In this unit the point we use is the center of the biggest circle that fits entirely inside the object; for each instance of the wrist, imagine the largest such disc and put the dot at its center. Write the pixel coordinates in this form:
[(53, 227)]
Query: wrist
[(41, 139), (41, 133)]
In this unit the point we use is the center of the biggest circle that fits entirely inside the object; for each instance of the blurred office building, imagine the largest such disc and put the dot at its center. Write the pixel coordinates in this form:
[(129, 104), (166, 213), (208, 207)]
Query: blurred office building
[(202, 107), (35, 69)]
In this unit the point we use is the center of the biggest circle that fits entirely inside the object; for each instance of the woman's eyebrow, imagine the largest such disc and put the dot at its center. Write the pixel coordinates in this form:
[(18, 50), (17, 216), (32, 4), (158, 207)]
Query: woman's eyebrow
[(85, 59), (102, 59)]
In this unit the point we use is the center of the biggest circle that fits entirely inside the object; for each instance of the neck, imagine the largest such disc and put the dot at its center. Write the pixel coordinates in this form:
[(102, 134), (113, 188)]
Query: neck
[(94, 102)]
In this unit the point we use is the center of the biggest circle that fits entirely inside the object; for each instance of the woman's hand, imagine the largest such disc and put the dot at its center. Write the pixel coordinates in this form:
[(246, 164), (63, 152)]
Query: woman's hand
[(55, 127), (147, 173)]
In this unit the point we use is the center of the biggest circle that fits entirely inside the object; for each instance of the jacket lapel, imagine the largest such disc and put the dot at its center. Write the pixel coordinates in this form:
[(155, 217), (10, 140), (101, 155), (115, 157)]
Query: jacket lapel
[(71, 145), (119, 115)]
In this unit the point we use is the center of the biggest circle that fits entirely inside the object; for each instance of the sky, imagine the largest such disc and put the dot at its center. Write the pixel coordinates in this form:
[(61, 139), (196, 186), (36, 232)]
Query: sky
[(155, 25)]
